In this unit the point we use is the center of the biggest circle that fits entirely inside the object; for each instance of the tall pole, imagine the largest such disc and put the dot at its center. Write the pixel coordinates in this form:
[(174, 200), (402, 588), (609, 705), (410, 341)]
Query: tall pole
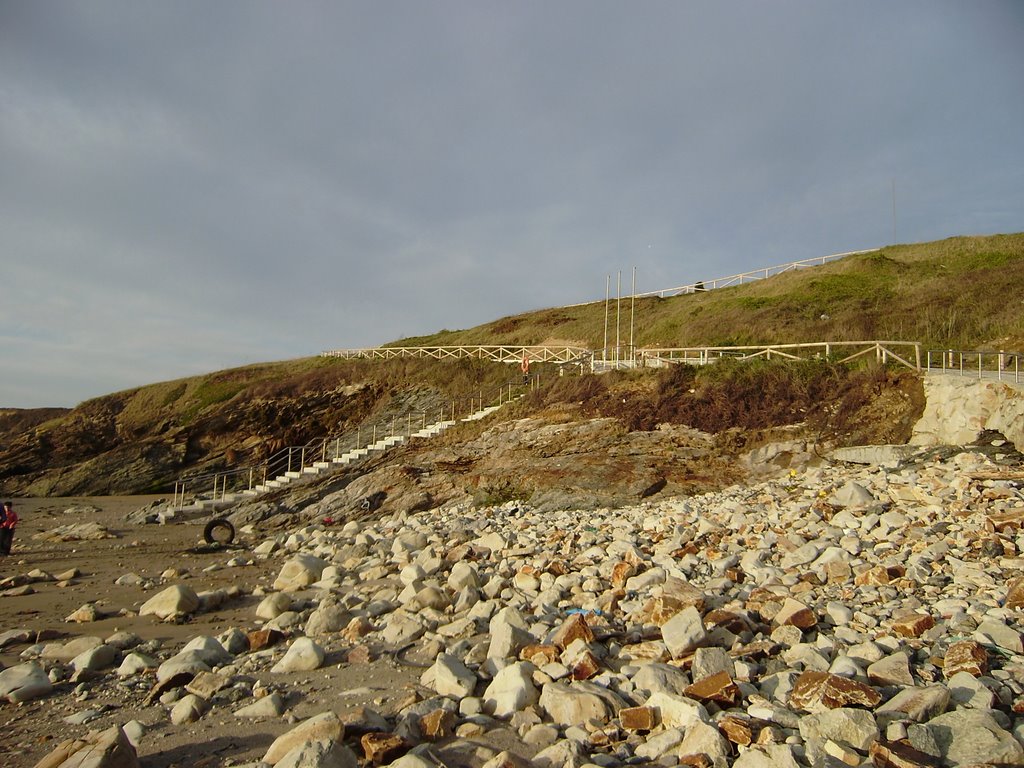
[(618, 314), (632, 308), (607, 298)]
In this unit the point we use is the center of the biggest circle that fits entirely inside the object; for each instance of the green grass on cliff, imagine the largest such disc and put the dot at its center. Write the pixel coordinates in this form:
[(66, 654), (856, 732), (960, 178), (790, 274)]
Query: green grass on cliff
[(960, 293)]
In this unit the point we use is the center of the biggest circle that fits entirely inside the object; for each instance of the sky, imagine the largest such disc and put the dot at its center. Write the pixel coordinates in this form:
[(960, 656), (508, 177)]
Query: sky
[(190, 186)]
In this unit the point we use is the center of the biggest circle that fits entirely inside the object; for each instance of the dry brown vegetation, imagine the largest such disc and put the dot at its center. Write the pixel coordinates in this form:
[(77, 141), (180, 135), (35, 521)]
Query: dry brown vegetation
[(833, 400)]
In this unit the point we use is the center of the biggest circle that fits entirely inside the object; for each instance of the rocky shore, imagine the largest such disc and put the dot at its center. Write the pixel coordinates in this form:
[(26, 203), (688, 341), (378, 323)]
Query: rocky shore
[(839, 616)]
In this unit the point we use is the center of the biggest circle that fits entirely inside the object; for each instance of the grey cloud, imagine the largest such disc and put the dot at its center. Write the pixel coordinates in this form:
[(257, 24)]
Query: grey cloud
[(191, 185)]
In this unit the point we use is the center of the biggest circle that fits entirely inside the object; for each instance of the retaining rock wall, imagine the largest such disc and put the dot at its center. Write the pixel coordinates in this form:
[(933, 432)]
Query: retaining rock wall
[(959, 409)]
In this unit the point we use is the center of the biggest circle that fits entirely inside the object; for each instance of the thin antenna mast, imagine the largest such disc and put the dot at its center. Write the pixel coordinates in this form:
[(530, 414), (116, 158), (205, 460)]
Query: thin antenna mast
[(632, 308), (618, 314), (607, 297)]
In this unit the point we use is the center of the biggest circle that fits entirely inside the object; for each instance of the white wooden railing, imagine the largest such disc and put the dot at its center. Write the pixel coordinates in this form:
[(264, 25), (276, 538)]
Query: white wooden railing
[(500, 353)]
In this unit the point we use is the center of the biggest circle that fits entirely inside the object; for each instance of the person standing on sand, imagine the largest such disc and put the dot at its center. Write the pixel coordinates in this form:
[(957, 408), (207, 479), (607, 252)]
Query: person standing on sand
[(8, 520)]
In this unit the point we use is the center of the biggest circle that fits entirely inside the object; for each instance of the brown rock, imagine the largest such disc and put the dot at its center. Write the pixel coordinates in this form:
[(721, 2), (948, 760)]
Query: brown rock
[(1015, 595), (896, 754), (965, 656), (605, 736), (770, 734), (538, 654), (359, 655), (358, 628), (821, 690), (659, 610), (381, 748), (738, 730), (557, 568), (263, 638), (573, 628), (437, 725), (913, 626), (718, 687), (696, 761), (179, 680), (638, 718), (360, 720), (758, 649), (793, 612), (879, 576), (205, 684), (621, 572), (730, 620), (764, 602), (837, 571), (585, 666)]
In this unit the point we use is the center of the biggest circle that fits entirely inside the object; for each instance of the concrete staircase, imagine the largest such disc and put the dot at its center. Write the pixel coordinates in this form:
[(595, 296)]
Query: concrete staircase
[(202, 506)]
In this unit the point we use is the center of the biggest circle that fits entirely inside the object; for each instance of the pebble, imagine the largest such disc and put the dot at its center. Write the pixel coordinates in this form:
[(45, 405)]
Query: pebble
[(834, 617)]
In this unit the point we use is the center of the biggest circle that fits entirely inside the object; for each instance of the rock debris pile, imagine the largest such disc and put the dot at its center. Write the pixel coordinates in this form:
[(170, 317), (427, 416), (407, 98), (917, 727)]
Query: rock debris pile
[(842, 617)]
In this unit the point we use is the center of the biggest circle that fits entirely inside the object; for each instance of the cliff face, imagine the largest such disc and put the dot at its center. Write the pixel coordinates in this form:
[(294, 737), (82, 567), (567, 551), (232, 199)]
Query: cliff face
[(100, 448), (602, 440), (960, 408)]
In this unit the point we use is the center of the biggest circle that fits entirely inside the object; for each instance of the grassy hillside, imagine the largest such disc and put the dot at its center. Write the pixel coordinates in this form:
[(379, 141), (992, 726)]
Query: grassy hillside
[(960, 293)]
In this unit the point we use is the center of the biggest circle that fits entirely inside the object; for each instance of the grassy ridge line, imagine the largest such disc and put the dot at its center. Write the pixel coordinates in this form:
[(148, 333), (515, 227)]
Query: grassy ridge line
[(961, 293)]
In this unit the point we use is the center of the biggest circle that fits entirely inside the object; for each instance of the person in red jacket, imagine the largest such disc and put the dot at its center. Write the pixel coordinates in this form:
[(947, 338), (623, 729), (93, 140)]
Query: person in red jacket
[(8, 521)]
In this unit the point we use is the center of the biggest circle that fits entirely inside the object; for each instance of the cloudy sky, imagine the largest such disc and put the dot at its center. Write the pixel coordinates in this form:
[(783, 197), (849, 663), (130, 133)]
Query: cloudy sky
[(187, 186)]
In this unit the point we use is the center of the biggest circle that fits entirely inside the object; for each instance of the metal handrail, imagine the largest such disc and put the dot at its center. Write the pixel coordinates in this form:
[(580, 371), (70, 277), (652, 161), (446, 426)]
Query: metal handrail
[(977, 363), (296, 458), (743, 277)]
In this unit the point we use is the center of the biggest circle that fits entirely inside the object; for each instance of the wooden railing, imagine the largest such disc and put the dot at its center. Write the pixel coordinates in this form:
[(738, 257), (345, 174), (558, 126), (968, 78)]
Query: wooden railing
[(500, 353), (907, 353)]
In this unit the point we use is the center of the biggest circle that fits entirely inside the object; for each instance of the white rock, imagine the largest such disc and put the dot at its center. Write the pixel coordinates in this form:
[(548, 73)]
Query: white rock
[(320, 754), (303, 655), (580, 702), (855, 727), (24, 682), (273, 605), (185, 662), (684, 632), (323, 727), (299, 572), (450, 677), (177, 600), (187, 709), (511, 690), (100, 657), (677, 711), (267, 706), (969, 736)]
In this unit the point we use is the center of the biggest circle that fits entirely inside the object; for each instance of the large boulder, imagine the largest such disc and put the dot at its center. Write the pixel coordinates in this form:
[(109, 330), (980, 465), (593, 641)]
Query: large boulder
[(24, 682), (100, 749), (175, 601), (299, 572)]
